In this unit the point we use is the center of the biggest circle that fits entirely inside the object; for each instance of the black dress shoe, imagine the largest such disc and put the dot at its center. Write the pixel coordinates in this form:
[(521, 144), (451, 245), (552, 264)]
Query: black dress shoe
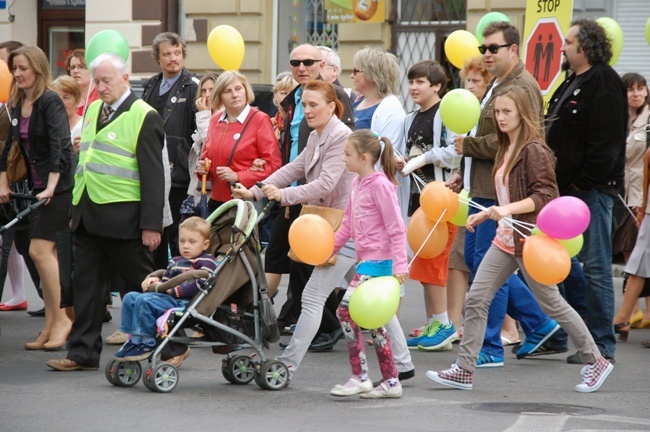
[(37, 313), (326, 341), (402, 376)]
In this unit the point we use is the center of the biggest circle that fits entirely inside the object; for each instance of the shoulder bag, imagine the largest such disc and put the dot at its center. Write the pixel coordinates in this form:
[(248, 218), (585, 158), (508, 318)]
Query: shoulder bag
[(16, 165)]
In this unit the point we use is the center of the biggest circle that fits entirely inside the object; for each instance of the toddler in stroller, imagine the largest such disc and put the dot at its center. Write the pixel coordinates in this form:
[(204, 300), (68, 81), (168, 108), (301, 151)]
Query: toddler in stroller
[(141, 310), (231, 309)]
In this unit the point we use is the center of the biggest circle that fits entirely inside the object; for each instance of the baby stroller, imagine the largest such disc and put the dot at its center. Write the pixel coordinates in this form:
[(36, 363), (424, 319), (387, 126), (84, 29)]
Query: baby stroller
[(233, 311)]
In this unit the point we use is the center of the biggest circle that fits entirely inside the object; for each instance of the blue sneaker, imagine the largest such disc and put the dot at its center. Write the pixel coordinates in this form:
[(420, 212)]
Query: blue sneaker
[(439, 337), (488, 361), (413, 342), (139, 352), (128, 346), (534, 341)]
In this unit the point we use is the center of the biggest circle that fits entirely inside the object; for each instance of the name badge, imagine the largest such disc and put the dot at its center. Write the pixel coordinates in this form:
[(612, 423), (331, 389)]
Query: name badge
[(174, 99), (14, 122), (181, 100), (237, 136)]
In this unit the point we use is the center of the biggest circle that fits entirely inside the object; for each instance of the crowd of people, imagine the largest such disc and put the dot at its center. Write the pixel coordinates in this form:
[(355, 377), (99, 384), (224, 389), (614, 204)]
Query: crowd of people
[(119, 175)]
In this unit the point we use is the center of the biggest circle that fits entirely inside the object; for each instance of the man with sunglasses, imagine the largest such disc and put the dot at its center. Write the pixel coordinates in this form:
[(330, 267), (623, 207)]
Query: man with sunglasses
[(500, 52), (306, 65), (586, 128)]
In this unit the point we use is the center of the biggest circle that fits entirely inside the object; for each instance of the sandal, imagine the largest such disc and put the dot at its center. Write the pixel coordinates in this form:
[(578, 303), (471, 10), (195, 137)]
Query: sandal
[(622, 334)]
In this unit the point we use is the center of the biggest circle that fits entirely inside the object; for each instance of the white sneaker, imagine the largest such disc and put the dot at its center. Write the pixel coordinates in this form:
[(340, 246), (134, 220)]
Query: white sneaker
[(594, 375), (383, 391), (352, 387), (117, 338)]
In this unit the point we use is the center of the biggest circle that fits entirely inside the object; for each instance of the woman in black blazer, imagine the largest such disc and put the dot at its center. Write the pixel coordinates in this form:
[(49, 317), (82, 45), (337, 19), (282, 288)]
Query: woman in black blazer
[(39, 126)]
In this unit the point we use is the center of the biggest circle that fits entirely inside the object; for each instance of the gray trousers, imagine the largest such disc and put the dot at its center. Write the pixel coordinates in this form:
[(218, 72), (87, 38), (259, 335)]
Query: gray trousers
[(320, 285), (495, 268)]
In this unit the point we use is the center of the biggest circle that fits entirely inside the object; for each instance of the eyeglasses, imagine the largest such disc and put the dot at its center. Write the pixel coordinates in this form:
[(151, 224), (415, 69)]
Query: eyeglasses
[(494, 48), (306, 62), (75, 67), (356, 71)]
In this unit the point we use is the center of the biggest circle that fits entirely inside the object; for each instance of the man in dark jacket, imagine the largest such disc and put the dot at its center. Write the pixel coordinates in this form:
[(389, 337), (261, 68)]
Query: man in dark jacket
[(172, 93), (586, 128)]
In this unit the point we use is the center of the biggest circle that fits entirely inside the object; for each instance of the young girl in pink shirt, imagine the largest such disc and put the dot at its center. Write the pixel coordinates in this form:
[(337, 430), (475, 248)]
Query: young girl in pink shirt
[(373, 219)]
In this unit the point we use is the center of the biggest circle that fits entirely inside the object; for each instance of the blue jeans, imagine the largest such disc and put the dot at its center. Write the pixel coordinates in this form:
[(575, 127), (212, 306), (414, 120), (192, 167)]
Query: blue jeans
[(596, 256), (141, 310), (513, 298)]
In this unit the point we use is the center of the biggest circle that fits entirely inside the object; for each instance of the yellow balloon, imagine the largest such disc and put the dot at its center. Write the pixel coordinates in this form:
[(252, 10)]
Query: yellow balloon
[(614, 34), (226, 47), (460, 46)]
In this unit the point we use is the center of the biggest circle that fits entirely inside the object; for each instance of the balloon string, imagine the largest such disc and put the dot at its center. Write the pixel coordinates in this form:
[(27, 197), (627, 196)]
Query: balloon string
[(428, 236), (626, 207), (7, 109), (91, 87), (419, 183), (471, 203), (509, 221)]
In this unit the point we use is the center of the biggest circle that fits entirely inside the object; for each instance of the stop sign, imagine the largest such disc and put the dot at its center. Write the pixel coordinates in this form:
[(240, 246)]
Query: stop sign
[(543, 56)]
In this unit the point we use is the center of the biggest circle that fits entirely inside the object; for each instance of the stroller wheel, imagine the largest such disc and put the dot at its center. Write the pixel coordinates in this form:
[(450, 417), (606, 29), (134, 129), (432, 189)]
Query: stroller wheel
[(109, 370), (123, 374), (273, 375), (239, 370), (225, 370), (163, 378), (146, 378)]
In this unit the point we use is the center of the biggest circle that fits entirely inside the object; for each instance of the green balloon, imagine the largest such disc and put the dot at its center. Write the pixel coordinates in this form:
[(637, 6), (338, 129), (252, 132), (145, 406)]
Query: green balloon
[(573, 245), (460, 218), (647, 31), (460, 111), (107, 41), (486, 20), (615, 36), (374, 303)]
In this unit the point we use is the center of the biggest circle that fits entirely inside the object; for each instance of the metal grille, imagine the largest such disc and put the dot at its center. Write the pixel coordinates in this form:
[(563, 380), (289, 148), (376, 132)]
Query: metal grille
[(420, 29), (317, 30)]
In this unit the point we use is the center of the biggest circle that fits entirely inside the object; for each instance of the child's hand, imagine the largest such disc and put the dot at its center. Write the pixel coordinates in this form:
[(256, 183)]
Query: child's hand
[(401, 277), (148, 282), (476, 219)]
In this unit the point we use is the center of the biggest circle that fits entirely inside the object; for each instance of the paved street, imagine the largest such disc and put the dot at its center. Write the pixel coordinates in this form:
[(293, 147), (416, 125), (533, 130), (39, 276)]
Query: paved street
[(34, 398)]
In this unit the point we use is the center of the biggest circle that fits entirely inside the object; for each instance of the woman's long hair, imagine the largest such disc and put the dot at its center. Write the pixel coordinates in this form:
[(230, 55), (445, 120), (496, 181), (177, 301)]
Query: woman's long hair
[(38, 62), (530, 128)]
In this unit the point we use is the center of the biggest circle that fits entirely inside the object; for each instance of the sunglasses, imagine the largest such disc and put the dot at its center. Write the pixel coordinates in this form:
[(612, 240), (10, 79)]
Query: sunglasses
[(306, 62), (494, 48)]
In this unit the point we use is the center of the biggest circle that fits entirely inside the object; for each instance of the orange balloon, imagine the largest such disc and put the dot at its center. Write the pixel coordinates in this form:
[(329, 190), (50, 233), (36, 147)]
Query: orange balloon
[(312, 239), (435, 198), (5, 81), (419, 228), (546, 260)]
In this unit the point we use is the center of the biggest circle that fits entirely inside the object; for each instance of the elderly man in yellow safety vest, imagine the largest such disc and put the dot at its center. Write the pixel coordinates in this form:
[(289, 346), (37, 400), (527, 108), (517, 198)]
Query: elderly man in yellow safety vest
[(117, 204)]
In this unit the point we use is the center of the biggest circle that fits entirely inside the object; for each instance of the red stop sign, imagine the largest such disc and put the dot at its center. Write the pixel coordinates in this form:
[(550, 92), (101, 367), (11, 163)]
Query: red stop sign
[(543, 56)]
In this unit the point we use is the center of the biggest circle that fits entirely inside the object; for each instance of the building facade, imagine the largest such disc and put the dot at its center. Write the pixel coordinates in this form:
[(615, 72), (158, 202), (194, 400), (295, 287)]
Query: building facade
[(412, 29)]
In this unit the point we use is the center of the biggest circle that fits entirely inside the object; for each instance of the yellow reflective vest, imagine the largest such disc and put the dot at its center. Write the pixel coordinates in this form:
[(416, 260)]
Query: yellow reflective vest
[(108, 166)]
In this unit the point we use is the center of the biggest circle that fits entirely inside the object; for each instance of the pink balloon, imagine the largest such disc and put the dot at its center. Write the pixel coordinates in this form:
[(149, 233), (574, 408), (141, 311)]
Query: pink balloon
[(564, 218)]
